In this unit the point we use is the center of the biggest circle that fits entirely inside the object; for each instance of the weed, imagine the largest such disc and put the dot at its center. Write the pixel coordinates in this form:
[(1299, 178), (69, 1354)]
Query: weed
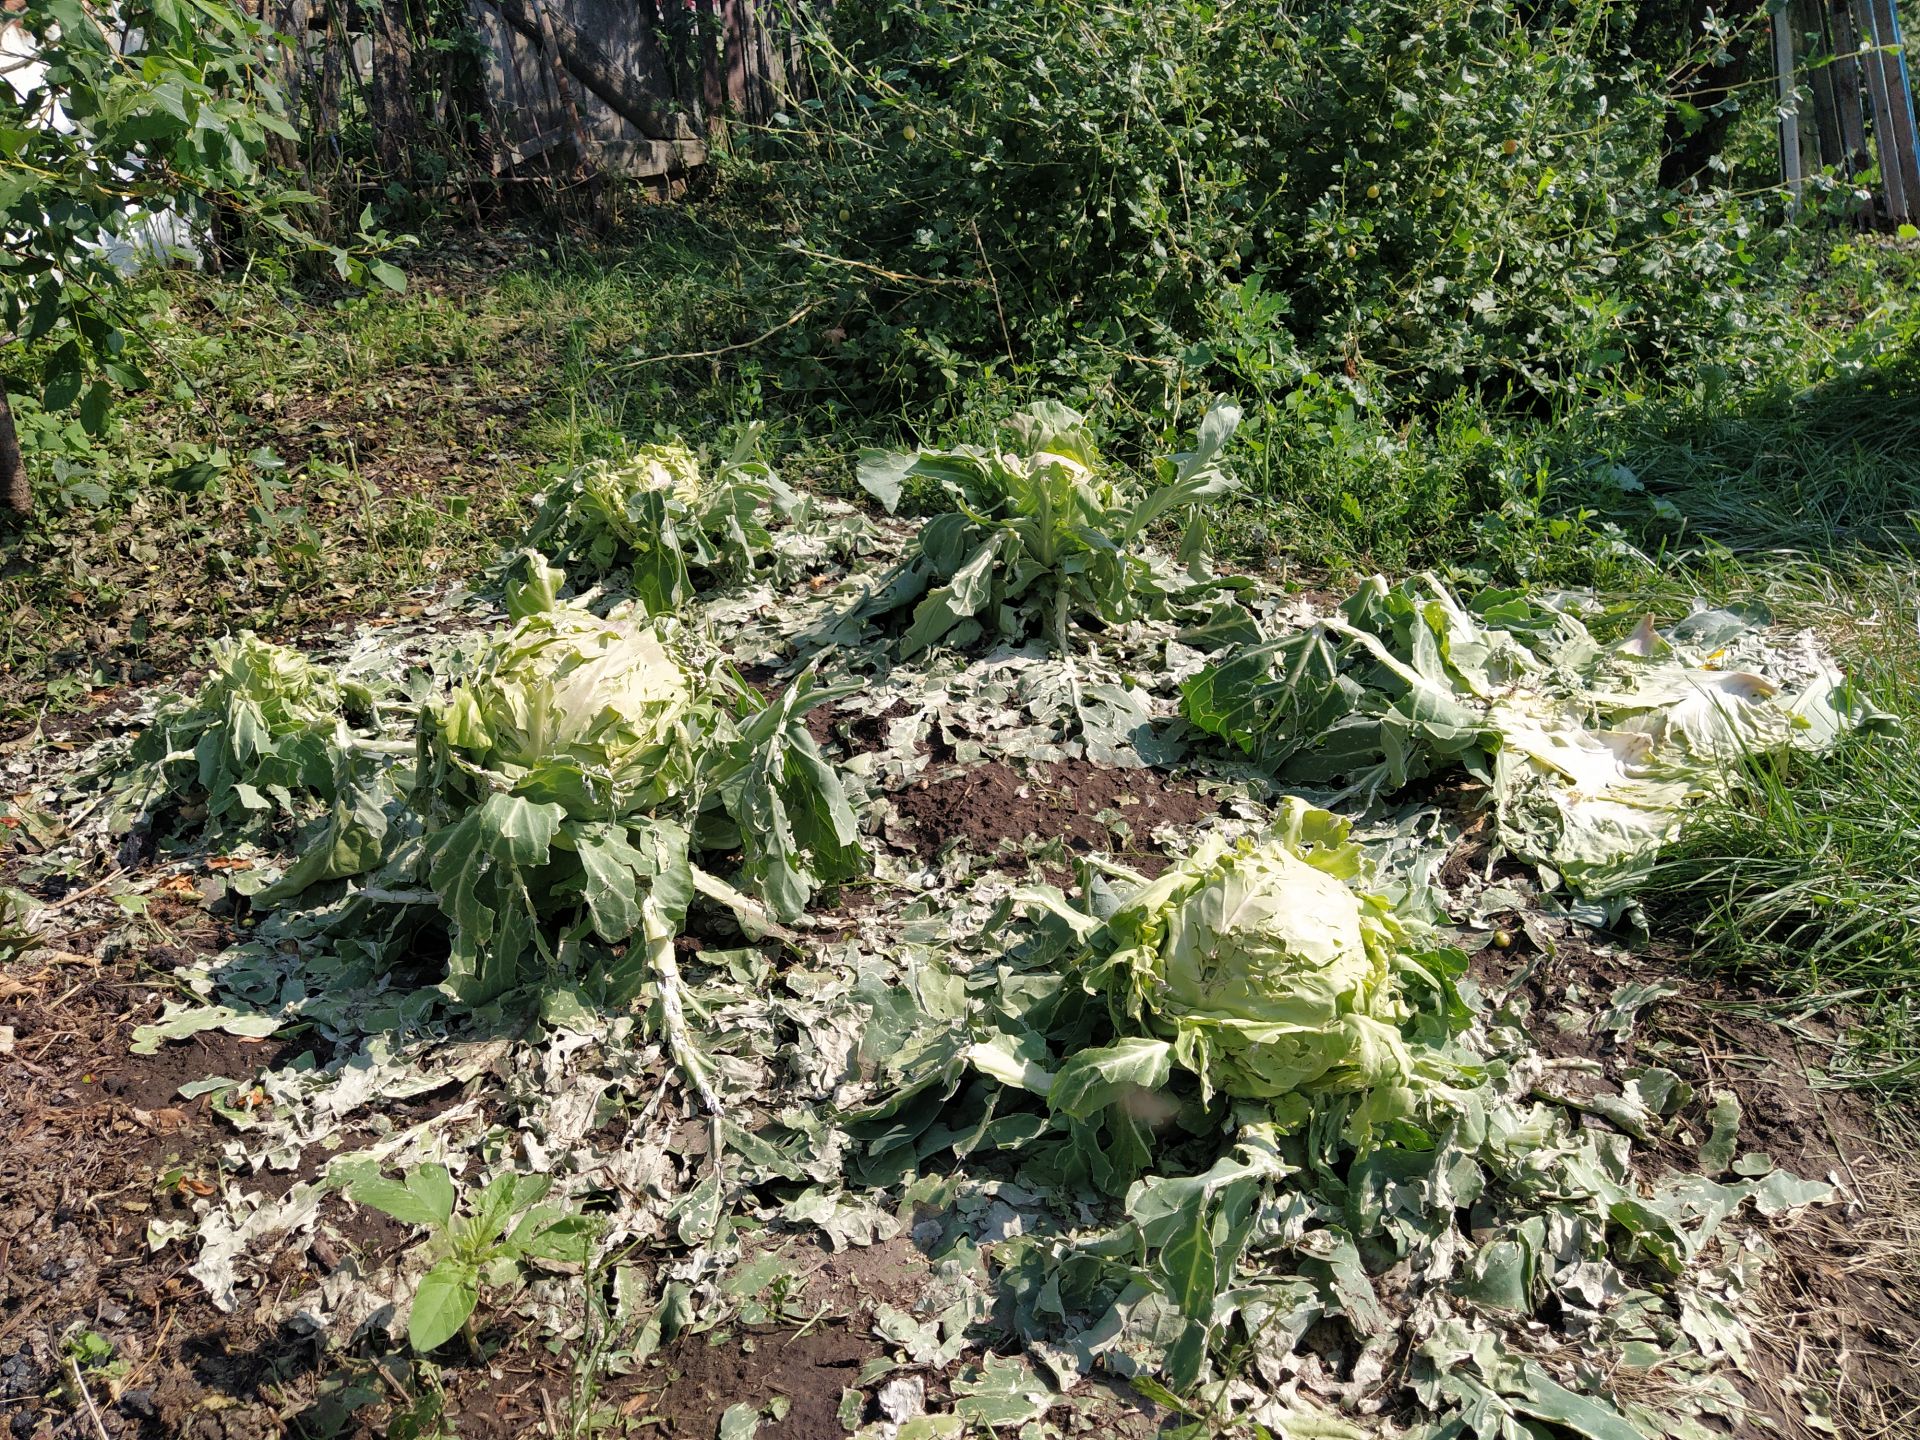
[(501, 1229)]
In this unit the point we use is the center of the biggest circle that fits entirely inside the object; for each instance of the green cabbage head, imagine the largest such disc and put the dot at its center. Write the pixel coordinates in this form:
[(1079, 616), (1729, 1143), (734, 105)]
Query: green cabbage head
[(1268, 970), (571, 709), (670, 466), (267, 691)]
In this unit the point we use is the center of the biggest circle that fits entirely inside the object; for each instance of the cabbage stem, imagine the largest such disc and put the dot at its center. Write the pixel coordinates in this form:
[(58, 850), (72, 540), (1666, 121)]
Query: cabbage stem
[(658, 937)]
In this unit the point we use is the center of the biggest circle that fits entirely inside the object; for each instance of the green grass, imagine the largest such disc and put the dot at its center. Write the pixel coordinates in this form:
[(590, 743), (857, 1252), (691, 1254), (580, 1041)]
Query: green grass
[(1808, 880), (295, 460)]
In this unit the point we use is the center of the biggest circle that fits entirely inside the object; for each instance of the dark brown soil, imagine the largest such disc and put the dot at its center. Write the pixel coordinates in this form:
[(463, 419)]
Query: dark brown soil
[(692, 1383), (1083, 805), (866, 733), (93, 1133), (98, 1143)]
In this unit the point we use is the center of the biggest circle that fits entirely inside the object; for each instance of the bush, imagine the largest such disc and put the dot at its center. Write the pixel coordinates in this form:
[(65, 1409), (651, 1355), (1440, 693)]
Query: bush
[(1137, 205)]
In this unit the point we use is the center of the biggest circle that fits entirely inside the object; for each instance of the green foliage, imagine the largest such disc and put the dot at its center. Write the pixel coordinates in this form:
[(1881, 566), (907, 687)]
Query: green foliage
[(795, 825), (1370, 700), (1042, 533), (1271, 970), (564, 786), (655, 517), (1160, 200), (565, 708), (16, 939), (179, 121), (1592, 754), (488, 1244), (266, 733), (538, 787)]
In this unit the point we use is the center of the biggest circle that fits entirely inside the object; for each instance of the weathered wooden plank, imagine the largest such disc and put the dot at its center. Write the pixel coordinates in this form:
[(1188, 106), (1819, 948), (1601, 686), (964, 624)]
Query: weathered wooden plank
[(1902, 138), (1847, 93), (1881, 79), (1781, 24), (1816, 63), (549, 45), (588, 63)]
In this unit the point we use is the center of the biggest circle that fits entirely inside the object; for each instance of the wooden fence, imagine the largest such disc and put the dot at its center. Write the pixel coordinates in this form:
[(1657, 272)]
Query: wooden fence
[(636, 88), (1846, 103)]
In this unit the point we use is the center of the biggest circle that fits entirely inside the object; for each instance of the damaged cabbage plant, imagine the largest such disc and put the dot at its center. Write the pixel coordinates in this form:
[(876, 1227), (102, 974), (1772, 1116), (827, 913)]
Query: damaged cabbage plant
[(544, 840), (270, 736), (1591, 754), (562, 791), (1042, 535), (663, 529), (1335, 1187)]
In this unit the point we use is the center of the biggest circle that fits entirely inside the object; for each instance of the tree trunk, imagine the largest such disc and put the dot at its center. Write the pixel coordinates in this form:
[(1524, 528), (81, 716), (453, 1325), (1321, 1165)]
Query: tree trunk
[(592, 67), (14, 494)]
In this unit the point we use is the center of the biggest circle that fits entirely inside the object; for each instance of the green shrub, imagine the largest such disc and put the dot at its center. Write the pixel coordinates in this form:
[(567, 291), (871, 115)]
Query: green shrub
[(1148, 202)]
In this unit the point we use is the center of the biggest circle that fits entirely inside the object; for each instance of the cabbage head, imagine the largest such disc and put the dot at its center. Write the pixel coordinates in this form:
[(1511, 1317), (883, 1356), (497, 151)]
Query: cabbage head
[(1271, 973), (256, 740), (669, 468), (570, 709), (654, 515), (278, 689)]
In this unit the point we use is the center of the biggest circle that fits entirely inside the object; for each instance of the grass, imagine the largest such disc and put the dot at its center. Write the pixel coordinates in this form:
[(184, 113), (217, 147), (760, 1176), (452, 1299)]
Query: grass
[(294, 461), (1807, 877)]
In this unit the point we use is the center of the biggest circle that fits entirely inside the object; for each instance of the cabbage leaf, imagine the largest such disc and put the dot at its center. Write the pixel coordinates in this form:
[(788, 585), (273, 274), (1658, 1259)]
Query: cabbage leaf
[(655, 517), (1592, 754), (1042, 534)]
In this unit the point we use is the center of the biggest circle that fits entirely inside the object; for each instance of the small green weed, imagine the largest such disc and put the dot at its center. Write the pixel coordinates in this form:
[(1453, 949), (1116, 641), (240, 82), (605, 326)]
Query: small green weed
[(502, 1228)]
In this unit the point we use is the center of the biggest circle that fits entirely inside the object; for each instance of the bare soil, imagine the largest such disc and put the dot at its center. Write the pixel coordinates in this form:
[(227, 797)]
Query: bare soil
[(1087, 807), (810, 1369)]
